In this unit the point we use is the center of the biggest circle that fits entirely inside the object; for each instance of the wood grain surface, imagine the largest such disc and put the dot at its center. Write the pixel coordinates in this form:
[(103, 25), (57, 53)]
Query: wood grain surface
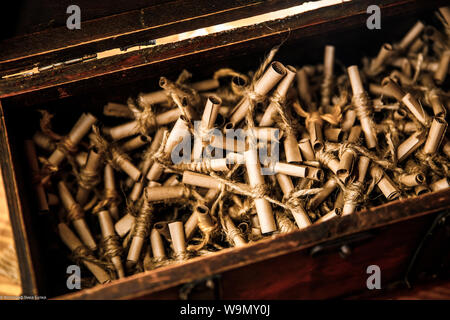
[(9, 267)]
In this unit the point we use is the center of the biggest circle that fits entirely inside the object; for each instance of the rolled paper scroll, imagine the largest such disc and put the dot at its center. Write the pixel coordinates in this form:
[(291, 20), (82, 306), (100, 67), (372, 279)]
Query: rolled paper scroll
[(363, 166), (43, 141), (327, 82), (385, 184), (117, 110), (256, 179), (434, 100), (303, 88), (135, 143), (440, 184), (349, 120), (412, 35), (178, 238), (435, 135), (110, 191), (79, 130), (291, 149), (333, 134), (109, 235), (412, 180), (124, 225), (76, 215), (336, 212), (411, 144), (74, 244), (266, 133), (81, 158), (180, 132), (320, 197), (442, 70), (160, 96), (421, 189), (416, 109), (89, 176), (131, 128), (234, 235), (278, 96), (268, 80), (166, 193), (209, 117), (306, 149), (33, 163), (376, 65), (157, 245), (298, 212), (140, 232), (362, 108)]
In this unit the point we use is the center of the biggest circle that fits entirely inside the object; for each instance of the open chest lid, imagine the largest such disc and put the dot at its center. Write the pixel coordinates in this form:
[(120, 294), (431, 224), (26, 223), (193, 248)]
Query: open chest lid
[(59, 62)]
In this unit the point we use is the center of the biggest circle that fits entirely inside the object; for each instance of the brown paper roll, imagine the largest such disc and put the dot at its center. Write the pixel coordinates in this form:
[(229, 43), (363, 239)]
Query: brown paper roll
[(291, 169), (263, 207), (440, 184), (281, 91), (291, 149), (106, 225), (43, 141), (320, 197), (165, 193), (363, 166), (416, 109), (135, 143), (266, 133), (129, 168), (349, 120), (412, 34), (421, 189), (410, 145), (333, 134), (93, 163), (442, 69), (190, 226), (285, 183), (268, 80), (71, 241), (336, 212), (306, 149), (435, 135), (81, 158), (124, 225), (303, 88), (386, 185), (385, 53), (237, 239), (157, 244), (346, 166), (392, 89), (178, 238), (135, 250), (412, 180), (33, 163), (81, 128)]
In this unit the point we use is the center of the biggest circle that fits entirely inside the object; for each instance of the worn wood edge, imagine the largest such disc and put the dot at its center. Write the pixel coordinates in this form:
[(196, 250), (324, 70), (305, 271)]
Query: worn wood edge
[(8, 88), (132, 23), (27, 275), (232, 258)]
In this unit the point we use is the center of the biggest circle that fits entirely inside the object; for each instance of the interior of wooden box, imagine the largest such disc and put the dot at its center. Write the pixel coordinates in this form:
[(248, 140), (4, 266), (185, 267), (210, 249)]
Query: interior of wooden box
[(49, 255)]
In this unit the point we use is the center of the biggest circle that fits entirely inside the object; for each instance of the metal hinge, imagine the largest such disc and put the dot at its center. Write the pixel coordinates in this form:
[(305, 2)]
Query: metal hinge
[(208, 288)]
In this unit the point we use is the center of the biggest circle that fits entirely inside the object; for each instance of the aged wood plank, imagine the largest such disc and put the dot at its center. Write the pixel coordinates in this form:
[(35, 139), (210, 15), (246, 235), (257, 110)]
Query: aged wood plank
[(275, 246)]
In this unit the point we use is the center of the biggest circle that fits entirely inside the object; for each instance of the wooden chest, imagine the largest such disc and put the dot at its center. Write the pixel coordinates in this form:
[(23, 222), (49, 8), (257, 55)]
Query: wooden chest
[(81, 70)]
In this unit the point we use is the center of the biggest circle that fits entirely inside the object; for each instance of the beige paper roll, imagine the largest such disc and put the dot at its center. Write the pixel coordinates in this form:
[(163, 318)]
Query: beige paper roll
[(303, 88), (135, 143), (363, 166), (266, 133), (79, 224), (411, 144), (339, 203), (421, 189), (385, 184), (190, 226), (412, 180), (93, 164), (392, 89), (333, 134), (279, 93), (320, 197), (315, 135), (107, 228), (129, 168), (416, 109), (157, 244), (291, 149), (336, 212), (165, 193), (412, 35), (285, 183), (346, 165), (81, 128), (364, 118), (113, 109), (81, 158), (135, 250), (440, 184), (385, 53), (439, 109), (43, 141), (435, 135), (268, 80), (178, 238), (236, 236), (72, 242), (349, 120), (124, 225), (171, 181), (442, 70), (306, 149), (263, 207), (109, 184), (131, 128), (355, 133), (33, 163), (291, 169)]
